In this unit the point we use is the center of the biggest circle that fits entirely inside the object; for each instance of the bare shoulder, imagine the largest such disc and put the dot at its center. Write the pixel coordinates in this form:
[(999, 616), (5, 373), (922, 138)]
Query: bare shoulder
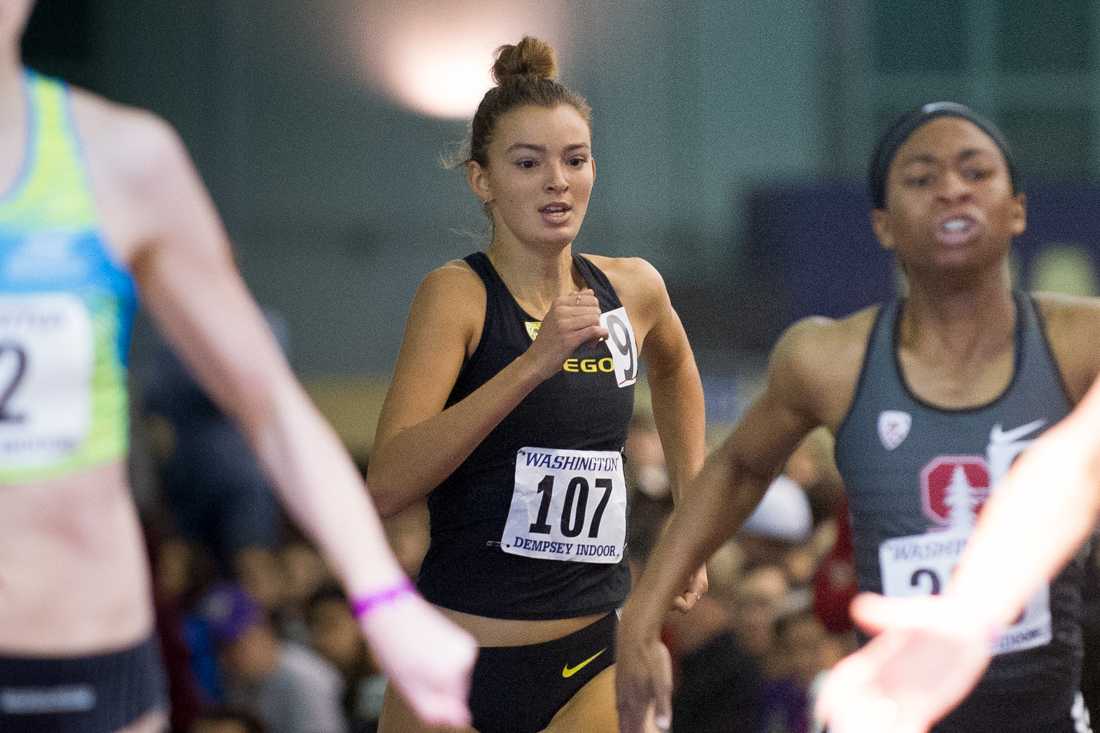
[(1072, 325), (140, 172), (818, 361), (133, 146), (1061, 311), (453, 294), (630, 275), (453, 280), (818, 338)]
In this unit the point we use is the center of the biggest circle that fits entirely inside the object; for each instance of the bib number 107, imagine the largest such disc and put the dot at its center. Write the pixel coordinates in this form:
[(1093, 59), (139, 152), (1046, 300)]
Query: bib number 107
[(574, 506)]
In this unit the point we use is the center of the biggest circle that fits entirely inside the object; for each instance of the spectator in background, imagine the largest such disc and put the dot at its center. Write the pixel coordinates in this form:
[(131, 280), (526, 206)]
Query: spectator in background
[(335, 636), (304, 572), (286, 685), (227, 720), (797, 660), (759, 599), (217, 495)]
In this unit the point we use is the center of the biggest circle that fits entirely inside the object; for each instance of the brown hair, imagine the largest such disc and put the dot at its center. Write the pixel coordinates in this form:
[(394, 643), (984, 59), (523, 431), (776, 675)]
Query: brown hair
[(525, 73)]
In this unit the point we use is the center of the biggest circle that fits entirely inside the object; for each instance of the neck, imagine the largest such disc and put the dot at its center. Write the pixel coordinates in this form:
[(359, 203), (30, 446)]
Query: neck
[(976, 318), (11, 92), (535, 276)]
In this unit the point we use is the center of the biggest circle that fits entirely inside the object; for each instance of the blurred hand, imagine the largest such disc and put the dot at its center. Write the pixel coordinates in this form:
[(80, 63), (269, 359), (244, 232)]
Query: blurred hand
[(572, 320), (928, 654), (643, 681), (426, 656), (697, 586)]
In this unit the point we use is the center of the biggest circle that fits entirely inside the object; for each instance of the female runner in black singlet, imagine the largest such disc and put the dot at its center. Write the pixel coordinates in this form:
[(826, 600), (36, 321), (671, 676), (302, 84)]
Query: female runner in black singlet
[(509, 410)]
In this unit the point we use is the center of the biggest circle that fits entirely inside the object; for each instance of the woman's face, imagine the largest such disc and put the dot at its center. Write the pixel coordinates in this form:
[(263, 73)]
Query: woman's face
[(539, 175), (949, 200)]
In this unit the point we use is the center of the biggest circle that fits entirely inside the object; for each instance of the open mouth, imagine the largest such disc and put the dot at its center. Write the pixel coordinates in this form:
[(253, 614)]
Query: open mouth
[(956, 230), (555, 213)]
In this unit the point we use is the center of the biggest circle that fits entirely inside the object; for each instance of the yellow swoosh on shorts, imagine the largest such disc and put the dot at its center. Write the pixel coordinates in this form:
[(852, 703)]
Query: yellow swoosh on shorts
[(568, 671)]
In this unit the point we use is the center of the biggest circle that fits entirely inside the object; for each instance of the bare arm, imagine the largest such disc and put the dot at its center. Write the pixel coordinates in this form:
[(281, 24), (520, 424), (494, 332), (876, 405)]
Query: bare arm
[(1018, 541), (192, 288), (444, 323), (190, 285), (676, 389), (730, 485)]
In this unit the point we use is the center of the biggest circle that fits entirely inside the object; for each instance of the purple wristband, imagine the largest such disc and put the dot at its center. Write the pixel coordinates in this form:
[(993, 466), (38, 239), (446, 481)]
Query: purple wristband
[(364, 605)]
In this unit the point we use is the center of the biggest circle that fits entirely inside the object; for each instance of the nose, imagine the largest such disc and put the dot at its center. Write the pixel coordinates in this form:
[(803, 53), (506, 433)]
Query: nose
[(954, 187), (555, 178)]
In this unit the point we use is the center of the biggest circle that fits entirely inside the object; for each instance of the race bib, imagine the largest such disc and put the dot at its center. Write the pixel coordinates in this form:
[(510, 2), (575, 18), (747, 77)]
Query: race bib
[(567, 505), (46, 354), (922, 564), (622, 345)]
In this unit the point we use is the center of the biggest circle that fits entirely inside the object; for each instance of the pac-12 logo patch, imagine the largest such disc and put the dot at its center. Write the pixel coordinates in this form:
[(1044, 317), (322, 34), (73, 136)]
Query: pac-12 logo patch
[(533, 328), (893, 427)]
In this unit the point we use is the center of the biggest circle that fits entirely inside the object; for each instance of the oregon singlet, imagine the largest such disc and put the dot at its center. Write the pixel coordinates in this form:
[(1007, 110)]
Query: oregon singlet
[(533, 523), (65, 308), (917, 475)]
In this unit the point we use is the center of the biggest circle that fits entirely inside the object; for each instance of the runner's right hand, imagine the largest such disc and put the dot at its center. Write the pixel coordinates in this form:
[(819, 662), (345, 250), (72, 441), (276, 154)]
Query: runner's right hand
[(929, 653), (572, 320)]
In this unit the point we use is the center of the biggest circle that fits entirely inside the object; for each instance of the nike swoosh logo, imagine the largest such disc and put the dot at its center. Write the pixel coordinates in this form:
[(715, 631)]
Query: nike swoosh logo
[(996, 435), (568, 671)]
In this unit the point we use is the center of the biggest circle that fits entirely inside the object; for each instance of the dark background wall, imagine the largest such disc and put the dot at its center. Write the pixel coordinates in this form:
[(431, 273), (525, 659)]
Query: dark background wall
[(335, 196)]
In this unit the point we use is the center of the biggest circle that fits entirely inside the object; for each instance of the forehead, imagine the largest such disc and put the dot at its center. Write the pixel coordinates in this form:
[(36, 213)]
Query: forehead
[(556, 126), (946, 138)]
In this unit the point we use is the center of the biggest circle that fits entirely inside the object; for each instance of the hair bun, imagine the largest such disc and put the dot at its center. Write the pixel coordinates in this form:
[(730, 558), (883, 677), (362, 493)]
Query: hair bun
[(530, 57)]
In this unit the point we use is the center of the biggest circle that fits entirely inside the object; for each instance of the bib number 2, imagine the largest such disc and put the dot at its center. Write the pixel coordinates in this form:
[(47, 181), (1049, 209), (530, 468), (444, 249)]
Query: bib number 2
[(46, 364), (13, 367), (567, 505), (921, 565)]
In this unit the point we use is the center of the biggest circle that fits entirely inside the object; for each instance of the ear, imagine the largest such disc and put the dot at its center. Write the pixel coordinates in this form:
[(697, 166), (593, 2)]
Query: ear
[(880, 223), (477, 178), (1018, 215)]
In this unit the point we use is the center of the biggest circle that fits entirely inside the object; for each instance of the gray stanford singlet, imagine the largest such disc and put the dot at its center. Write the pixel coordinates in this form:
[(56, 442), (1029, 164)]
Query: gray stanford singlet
[(916, 476)]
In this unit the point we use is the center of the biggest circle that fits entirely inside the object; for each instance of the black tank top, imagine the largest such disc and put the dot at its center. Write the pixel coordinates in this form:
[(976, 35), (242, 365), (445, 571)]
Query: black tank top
[(563, 441), (916, 476)]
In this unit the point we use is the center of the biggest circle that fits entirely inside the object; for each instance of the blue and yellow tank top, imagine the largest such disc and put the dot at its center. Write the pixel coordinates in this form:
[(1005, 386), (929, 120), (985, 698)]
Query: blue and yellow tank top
[(66, 308)]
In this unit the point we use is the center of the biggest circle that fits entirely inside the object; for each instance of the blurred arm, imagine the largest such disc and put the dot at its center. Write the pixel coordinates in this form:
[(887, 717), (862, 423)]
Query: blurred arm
[(191, 287)]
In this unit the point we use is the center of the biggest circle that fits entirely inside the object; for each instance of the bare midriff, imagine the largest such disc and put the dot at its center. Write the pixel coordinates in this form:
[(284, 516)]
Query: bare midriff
[(517, 632), (74, 576)]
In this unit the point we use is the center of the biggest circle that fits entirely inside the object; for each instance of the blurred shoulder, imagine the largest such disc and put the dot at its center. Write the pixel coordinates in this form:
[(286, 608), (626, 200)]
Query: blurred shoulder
[(823, 338), (817, 361), (128, 146), (1072, 327)]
